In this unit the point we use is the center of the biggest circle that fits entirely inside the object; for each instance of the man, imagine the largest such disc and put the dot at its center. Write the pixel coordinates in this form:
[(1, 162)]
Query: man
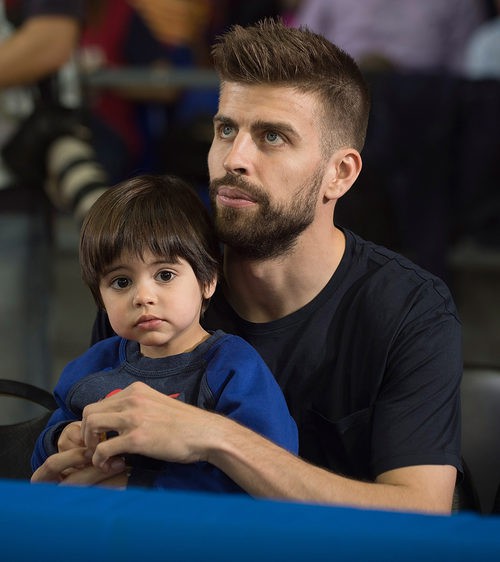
[(43, 39), (365, 345)]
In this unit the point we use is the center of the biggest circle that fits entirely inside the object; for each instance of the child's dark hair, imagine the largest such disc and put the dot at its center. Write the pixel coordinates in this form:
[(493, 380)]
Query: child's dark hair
[(161, 214)]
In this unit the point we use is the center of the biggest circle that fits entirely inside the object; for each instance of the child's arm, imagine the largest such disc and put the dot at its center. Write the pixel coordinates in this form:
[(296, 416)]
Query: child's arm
[(70, 442), (47, 442), (103, 355)]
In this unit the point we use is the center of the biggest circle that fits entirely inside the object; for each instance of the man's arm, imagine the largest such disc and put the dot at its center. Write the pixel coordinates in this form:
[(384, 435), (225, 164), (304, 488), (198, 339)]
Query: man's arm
[(37, 48), (155, 425), (266, 470)]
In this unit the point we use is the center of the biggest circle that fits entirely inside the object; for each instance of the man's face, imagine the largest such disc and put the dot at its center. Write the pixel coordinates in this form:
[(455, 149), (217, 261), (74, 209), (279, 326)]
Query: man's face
[(266, 168)]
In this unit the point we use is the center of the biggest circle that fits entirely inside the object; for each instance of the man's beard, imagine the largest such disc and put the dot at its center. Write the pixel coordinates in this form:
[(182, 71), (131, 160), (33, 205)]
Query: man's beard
[(274, 229)]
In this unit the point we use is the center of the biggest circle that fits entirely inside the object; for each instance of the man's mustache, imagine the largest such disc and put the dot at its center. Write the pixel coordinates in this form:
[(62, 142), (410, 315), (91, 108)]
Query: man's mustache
[(231, 180)]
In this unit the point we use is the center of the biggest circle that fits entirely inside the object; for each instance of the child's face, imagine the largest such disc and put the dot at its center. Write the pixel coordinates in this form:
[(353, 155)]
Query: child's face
[(155, 303)]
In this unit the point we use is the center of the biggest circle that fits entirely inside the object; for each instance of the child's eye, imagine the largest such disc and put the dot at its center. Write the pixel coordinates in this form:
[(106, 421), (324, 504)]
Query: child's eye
[(120, 283), (165, 276)]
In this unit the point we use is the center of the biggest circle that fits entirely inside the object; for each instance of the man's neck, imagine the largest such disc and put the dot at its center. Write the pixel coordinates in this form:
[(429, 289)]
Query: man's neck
[(266, 290)]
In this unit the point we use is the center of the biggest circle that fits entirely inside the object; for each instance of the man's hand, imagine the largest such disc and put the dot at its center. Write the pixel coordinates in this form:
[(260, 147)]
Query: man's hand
[(147, 423)]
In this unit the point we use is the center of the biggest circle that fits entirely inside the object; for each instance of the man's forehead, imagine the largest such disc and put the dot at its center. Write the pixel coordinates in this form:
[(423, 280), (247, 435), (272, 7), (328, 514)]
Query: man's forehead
[(229, 89), (266, 102)]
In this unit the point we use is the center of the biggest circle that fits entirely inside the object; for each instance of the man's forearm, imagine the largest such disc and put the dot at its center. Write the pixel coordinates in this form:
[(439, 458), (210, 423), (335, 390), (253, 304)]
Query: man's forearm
[(265, 470)]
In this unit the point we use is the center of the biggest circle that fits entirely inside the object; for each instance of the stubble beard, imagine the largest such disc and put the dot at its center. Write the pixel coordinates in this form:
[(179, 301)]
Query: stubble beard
[(272, 231)]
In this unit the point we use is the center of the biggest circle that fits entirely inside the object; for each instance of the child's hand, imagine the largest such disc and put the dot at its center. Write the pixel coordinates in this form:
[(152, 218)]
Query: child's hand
[(71, 437)]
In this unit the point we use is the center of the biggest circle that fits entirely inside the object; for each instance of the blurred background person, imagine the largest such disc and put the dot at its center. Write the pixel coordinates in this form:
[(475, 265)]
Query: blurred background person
[(482, 53), (405, 34), (478, 207), (116, 36), (36, 39)]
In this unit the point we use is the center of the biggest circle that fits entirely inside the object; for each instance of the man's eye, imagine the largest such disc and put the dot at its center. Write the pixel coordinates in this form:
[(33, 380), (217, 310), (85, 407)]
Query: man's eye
[(120, 283), (273, 138), (165, 276), (226, 131)]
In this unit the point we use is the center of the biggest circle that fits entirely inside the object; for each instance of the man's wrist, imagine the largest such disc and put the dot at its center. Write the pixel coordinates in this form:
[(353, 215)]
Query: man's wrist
[(219, 444)]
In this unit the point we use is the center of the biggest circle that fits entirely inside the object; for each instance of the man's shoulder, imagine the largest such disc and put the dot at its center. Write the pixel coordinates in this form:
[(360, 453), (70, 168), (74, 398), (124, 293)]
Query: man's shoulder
[(383, 273)]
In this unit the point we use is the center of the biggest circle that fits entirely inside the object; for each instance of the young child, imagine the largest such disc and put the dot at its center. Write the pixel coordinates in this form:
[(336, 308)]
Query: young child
[(150, 257)]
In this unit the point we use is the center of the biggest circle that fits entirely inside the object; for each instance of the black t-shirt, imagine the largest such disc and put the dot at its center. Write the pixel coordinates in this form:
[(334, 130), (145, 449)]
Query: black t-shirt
[(370, 368)]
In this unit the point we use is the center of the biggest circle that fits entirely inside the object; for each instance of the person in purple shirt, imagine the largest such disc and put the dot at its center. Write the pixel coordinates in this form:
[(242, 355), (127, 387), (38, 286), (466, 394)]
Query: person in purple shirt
[(408, 35)]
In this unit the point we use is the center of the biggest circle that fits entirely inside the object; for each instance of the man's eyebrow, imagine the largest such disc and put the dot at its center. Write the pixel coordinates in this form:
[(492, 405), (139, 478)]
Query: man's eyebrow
[(223, 119), (278, 126)]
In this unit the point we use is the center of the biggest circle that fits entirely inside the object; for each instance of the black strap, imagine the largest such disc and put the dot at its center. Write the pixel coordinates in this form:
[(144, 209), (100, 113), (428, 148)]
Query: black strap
[(28, 392)]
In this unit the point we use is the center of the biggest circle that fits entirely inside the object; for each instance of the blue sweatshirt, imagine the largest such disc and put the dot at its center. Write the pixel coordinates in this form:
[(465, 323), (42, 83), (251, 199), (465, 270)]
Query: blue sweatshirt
[(223, 374)]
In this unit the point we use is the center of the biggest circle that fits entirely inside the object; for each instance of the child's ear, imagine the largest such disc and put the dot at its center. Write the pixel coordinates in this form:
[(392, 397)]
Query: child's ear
[(209, 288)]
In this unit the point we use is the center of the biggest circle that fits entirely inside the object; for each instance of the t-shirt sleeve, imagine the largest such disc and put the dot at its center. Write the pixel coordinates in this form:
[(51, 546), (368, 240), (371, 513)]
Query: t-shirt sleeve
[(416, 416)]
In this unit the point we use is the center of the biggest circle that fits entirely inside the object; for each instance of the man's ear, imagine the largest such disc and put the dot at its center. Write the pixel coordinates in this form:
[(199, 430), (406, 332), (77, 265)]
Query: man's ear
[(343, 170)]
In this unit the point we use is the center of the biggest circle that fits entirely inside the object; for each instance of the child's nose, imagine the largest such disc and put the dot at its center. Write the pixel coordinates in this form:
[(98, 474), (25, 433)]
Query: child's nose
[(144, 295)]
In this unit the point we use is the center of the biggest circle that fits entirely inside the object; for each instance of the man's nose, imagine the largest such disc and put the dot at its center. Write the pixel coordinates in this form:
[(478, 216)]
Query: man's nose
[(239, 158)]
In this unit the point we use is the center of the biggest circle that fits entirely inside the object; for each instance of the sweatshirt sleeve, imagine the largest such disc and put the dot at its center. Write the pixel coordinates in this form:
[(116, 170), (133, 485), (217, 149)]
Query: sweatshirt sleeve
[(103, 355), (46, 444), (245, 390)]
